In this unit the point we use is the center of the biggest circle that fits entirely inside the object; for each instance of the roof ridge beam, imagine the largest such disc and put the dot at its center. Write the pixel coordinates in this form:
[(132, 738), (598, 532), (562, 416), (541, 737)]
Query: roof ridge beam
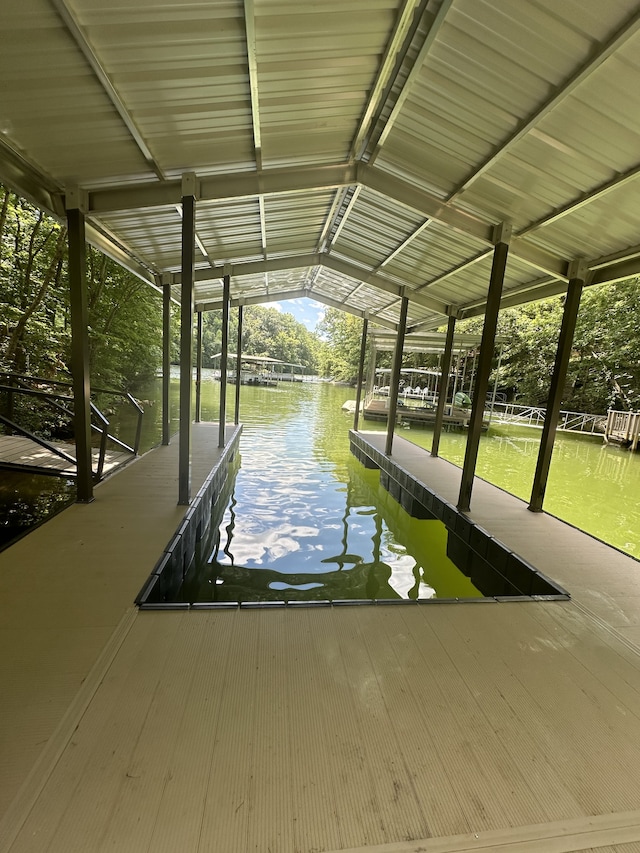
[(437, 21), (395, 52)]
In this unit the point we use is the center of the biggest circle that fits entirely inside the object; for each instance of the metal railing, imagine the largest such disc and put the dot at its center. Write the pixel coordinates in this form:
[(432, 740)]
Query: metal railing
[(534, 416), (16, 384)]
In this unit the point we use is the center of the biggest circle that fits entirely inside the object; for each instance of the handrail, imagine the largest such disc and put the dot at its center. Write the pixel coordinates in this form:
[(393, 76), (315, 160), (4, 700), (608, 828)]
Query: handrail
[(590, 424), (52, 398), (41, 441)]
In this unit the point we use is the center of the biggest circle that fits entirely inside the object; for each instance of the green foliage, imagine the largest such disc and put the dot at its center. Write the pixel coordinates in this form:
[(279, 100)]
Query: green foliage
[(265, 332), (341, 355), (125, 320), (125, 314), (604, 368)]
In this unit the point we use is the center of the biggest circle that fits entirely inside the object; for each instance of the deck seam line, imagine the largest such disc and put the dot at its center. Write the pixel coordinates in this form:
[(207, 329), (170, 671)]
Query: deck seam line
[(610, 629), (564, 836), (18, 811)]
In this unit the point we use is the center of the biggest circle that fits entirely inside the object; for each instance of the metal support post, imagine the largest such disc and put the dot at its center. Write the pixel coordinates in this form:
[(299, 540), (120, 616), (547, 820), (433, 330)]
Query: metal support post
[(445, 369), (577, 275), (166, 361), (395, 375), (186, 334), (363, 352), (495, 385), (80, 348), (236, 415), (224, 357), (199, 367), (481, 384)]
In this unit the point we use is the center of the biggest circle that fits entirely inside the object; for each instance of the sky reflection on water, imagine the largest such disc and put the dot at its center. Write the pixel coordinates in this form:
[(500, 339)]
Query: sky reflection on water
[(306, 520)]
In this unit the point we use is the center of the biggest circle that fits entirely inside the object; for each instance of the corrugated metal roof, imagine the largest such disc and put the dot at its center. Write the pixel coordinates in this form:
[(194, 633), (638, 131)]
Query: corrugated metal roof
[(348, 151)]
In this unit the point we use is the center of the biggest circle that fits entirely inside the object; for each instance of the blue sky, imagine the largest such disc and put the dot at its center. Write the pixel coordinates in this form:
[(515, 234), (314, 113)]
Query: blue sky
[(305, 310)]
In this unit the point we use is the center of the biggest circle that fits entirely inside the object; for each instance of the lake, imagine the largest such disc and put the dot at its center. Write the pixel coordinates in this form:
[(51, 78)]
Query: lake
[(300, 431)]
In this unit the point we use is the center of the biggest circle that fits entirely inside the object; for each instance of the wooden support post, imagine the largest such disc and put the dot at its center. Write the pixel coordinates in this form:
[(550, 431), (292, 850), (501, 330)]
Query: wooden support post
[(80, 346), (199, 367), (395, 375), (577, 275), (186, 334), (363, 352), (481, 384), (224, 358), (166, 360), (445, 369), (236, 415)]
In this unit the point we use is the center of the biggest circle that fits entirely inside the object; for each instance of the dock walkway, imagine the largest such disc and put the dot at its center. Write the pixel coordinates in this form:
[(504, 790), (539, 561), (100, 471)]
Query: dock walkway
[(19, 453), (66, 587), (388, 729)]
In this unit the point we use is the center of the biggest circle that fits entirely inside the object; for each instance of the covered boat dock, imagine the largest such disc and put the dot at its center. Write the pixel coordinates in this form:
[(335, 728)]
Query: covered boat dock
[(413, 163), (436, 727)]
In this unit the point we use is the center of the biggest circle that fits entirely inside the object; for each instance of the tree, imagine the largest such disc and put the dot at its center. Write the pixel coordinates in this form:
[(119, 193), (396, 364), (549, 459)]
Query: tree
[(604, 368), (124, 312), (266, 332), (343, 335)]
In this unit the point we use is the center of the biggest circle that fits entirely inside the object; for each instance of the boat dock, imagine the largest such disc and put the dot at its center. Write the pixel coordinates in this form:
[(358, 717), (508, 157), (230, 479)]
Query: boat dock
[(435, 727), (623, 427), (18, 453)]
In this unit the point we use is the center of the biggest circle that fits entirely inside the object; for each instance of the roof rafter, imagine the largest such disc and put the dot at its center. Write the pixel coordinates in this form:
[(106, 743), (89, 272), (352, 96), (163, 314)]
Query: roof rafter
[(252, 61), (80, 38), (622, 35)]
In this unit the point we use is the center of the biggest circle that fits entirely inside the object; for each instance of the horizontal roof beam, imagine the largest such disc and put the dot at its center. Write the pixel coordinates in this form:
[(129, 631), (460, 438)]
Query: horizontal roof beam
[(321, 259), (219, 187), (278, 181)]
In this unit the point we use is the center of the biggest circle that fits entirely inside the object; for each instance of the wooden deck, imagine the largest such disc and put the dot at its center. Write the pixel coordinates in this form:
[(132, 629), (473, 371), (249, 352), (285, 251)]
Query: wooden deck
[(22, 454), (385, 729)]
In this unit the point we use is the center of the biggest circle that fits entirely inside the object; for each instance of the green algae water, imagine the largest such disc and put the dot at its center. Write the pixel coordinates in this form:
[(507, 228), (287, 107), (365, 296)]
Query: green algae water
[(591, 485), (306, 521)]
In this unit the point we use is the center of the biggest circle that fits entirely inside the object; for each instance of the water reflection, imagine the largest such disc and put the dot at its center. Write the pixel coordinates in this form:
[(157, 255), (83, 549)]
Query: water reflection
[(264, 548)]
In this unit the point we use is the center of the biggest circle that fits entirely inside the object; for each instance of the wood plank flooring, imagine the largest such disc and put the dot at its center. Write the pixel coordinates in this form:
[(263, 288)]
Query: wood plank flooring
[(333, 728), (17, 451), (437, 728), (65, 588)]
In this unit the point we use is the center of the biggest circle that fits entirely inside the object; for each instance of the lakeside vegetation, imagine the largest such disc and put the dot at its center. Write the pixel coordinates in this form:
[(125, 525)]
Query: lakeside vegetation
[(125, 327)]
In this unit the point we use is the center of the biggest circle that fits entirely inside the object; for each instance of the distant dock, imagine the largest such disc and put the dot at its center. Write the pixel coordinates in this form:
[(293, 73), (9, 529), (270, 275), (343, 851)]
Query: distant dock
[(623, 428)]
